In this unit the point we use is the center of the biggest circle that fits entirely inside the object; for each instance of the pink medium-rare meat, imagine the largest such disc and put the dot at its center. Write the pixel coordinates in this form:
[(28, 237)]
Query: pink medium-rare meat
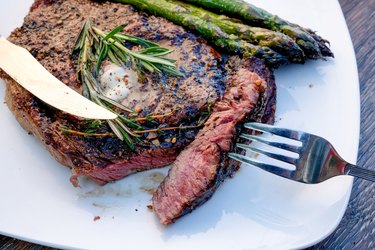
[(203, 165)]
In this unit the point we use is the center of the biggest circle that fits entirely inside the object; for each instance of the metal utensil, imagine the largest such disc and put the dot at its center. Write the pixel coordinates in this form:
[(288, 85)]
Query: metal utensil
[(20, 65), (316, 160)]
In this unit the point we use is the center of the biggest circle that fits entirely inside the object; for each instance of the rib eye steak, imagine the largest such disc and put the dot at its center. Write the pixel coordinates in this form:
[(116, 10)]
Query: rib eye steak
[(49, 32)]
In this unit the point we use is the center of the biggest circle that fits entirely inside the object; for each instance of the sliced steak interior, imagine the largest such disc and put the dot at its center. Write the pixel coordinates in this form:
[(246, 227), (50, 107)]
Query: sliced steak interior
[(203, 165)]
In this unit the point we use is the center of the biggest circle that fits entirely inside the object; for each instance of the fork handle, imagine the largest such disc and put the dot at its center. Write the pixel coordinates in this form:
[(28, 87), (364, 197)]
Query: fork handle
[(356, 171)]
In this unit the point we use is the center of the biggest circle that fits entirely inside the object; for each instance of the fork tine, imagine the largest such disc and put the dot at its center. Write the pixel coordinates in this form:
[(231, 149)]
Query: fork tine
[(287, 133), (267, 167), (275, 156), (280, 145)]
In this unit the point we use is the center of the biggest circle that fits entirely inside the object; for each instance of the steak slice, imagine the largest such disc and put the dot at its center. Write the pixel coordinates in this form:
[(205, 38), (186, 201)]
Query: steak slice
[(203, 165)]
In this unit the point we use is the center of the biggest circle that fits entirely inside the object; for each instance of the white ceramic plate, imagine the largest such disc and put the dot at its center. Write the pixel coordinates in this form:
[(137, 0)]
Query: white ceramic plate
[(254, 210)]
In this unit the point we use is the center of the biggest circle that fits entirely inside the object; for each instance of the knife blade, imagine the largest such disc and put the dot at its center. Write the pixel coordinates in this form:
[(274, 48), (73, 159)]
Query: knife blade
[(20, 65)]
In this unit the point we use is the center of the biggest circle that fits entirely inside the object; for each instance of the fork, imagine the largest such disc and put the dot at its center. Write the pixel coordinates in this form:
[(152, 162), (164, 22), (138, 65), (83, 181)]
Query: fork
[(318, 160)]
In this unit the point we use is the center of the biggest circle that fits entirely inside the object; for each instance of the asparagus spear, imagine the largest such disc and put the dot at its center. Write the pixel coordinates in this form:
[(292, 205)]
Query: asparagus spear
[(276, 41), (173, 11), (313, 45)]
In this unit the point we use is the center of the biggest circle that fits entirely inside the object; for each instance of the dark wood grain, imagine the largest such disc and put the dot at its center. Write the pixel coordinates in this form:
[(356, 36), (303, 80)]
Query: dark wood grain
[(357, 228)]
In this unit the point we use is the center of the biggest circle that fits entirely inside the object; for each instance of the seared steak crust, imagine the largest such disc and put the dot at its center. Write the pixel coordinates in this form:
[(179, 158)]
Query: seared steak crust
[(203, 165), (49, 32)]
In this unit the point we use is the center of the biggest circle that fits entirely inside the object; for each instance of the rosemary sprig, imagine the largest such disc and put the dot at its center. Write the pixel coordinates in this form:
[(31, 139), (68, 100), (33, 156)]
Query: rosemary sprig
[(150, 58), (159, 129), (86, 133), (93, 46), (168, 128)]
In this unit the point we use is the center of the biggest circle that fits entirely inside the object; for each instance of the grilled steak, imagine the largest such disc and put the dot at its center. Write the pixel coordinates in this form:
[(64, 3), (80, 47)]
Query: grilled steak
[(49, 32), (203, 165)]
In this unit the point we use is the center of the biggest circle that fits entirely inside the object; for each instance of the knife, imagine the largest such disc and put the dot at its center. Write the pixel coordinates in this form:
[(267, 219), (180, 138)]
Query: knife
[(20, 65)]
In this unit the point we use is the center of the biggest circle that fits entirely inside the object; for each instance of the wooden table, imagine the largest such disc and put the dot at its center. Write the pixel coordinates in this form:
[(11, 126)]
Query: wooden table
[(357, 228)]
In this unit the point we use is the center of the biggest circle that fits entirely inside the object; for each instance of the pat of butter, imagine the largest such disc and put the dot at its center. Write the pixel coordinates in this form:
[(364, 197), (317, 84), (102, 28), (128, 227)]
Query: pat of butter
[(116, 81)]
